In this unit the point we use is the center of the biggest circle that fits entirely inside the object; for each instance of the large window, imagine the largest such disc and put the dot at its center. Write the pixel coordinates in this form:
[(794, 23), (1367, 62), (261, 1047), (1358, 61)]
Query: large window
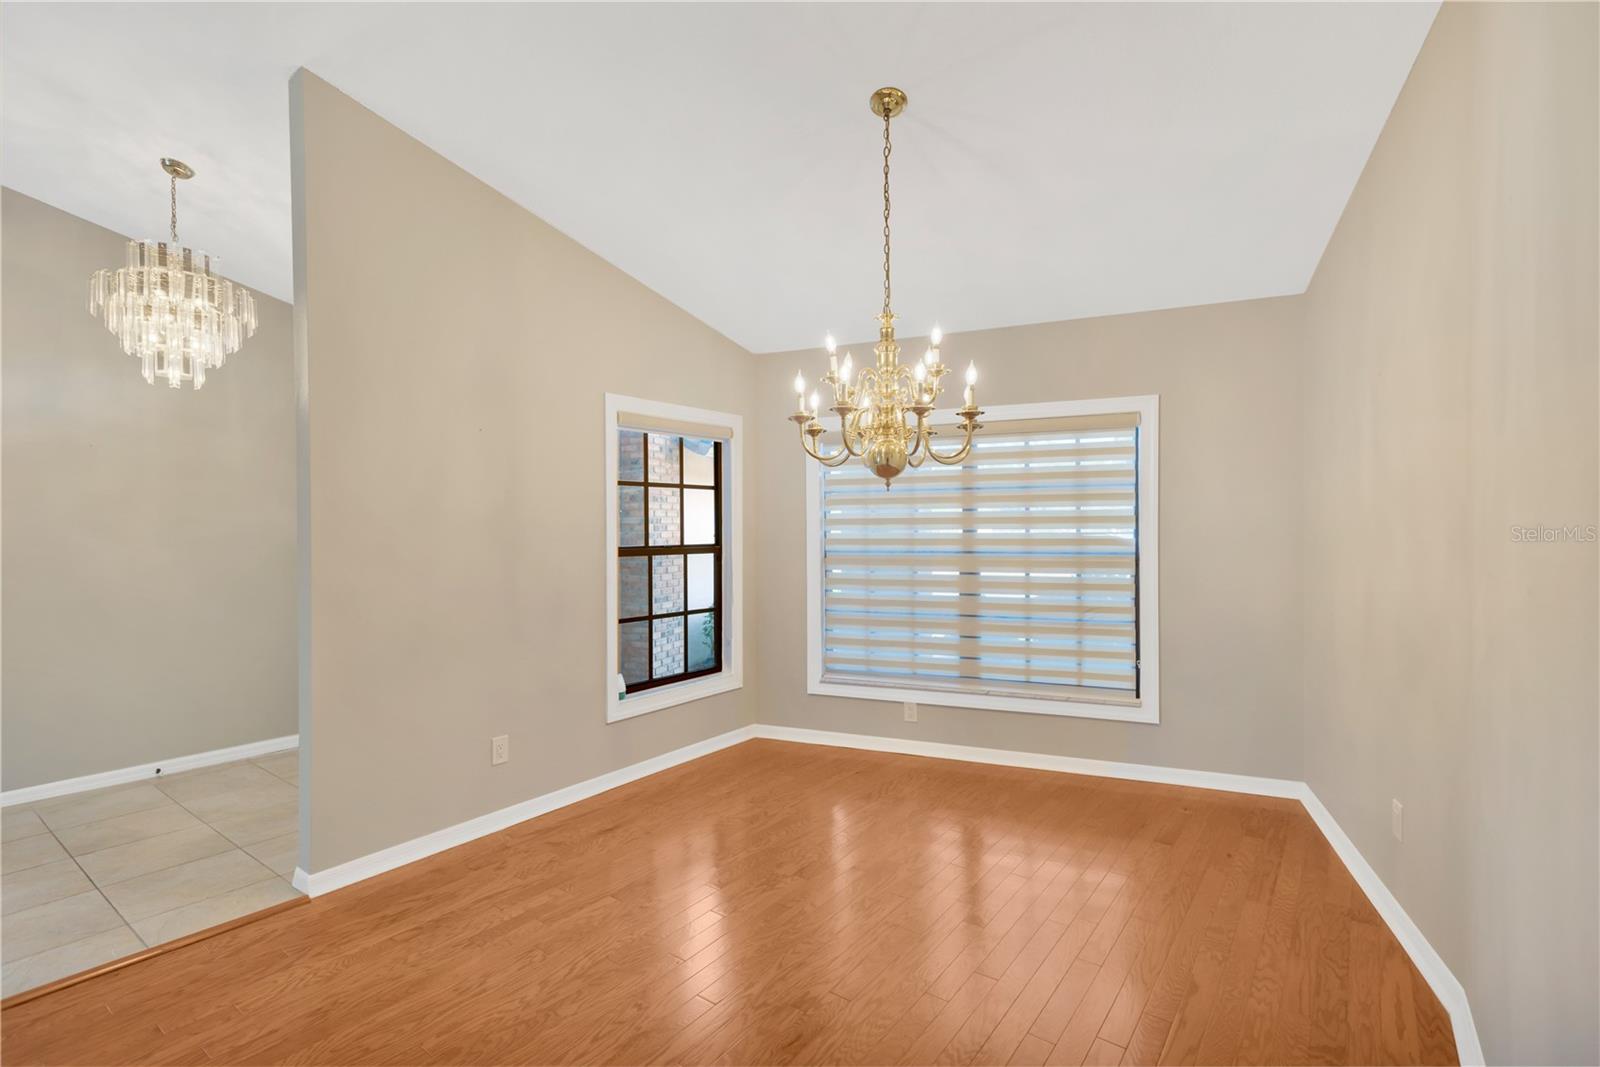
[(668, 542), (1021, 580)]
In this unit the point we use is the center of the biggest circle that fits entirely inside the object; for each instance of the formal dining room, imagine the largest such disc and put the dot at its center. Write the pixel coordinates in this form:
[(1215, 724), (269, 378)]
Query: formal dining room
[(800, 533)]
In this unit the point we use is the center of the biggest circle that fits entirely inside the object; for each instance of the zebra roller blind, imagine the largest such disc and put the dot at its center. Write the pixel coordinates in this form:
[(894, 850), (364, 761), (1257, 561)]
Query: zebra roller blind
[(1015, 574)]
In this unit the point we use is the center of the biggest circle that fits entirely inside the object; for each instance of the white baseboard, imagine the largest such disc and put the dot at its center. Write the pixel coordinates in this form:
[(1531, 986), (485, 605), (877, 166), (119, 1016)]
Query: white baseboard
[(325, 881), (47, 790), (1138, 772), (1445, 985)]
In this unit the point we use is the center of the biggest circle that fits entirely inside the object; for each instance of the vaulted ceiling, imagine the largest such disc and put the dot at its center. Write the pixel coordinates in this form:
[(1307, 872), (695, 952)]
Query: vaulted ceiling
[(1056, 161)]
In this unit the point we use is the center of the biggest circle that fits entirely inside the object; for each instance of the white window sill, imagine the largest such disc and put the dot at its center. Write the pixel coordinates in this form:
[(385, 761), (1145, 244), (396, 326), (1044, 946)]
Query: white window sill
[(669, 696), (1120, 710)]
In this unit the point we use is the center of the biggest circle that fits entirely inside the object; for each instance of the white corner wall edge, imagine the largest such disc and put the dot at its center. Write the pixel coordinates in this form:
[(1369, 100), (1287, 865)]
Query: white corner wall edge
[(1452, 995), (356, 870), (47, 790)]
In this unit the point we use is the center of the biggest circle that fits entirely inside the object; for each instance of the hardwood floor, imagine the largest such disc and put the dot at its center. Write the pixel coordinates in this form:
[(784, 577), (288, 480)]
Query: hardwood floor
[(782, 903)]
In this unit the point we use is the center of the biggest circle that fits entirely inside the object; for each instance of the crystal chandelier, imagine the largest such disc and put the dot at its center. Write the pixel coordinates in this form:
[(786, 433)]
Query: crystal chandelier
[(168, 308), (883, 413)]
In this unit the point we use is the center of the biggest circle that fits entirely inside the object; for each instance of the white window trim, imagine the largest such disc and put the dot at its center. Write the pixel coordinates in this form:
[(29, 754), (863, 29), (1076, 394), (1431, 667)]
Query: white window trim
[(1147, 709), (731, 676)]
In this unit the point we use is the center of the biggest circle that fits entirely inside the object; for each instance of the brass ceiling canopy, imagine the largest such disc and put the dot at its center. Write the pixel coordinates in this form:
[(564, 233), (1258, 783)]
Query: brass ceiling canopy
[(887, 102)]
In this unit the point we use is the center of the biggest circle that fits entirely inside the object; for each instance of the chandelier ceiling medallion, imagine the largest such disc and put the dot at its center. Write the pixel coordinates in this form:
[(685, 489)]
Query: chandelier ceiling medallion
[(167, 307), (883, 413)]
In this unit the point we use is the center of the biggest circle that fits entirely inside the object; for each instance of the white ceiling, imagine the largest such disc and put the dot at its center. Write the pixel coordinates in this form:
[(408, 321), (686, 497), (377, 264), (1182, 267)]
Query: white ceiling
[(1056, 161)]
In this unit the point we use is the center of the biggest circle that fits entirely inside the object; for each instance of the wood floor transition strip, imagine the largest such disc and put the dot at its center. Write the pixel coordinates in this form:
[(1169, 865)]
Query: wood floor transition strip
[(17, 999)]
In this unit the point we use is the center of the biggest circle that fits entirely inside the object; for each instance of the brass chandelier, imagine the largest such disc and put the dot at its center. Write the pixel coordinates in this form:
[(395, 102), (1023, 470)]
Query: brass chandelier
[(168, 308), (883, 413)]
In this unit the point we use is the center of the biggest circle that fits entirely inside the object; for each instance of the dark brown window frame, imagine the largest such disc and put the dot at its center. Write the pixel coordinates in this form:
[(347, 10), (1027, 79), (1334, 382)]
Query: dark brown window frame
[(649, 552)]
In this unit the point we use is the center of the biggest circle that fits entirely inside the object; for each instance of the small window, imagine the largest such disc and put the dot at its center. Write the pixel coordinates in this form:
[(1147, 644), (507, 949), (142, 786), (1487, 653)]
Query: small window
[(672, 529), (1022, 579), (669, 557)]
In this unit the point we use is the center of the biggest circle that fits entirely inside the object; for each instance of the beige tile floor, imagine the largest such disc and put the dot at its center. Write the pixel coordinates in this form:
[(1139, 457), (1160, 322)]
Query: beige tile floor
[(93, 876)]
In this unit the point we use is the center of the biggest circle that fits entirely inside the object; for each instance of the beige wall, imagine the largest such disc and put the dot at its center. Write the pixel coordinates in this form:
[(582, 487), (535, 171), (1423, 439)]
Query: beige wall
[(148, 531), (1449, 395), (1230, 553), (457, 351)]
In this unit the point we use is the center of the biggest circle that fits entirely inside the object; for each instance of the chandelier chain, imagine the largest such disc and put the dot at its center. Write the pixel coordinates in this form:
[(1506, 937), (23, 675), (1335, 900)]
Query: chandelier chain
[(174, 220), (887, 147)]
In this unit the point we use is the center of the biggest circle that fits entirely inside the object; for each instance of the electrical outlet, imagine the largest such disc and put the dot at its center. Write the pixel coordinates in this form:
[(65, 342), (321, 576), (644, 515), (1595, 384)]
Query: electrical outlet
[(499, 748), (911, 711), (1397, 812)]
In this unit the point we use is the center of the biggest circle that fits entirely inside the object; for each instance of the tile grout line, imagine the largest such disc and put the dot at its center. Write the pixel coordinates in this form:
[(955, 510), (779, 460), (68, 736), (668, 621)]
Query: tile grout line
[(233, 846), (222, 834), (271, 875), (92, 885), (288, 878), (275, 774), (126, 922), (207, 822)]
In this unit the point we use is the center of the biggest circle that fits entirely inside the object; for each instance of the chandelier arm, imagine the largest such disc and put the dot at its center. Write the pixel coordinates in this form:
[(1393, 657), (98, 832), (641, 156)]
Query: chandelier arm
[(805, 443), (850, 430), (959, 454), (827, 461), (919, 438)]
